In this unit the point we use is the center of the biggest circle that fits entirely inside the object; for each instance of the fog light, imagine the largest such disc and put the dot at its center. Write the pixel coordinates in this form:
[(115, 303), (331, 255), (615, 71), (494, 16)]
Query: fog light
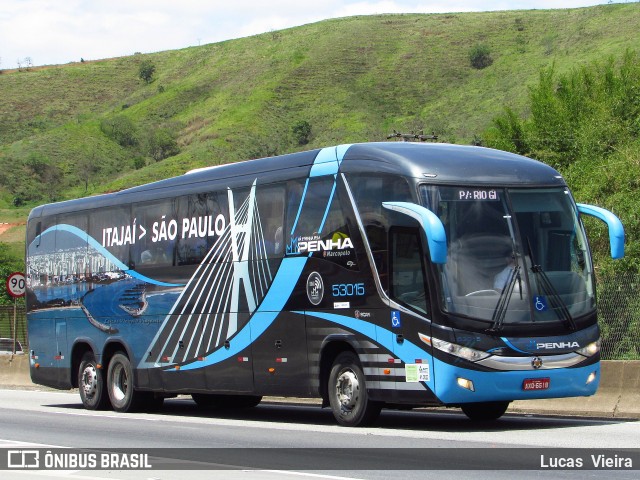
[(591, 377), (464, 383)]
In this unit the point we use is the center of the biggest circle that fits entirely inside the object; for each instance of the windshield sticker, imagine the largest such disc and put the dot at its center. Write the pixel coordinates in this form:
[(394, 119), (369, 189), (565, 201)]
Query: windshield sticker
[(540, 303)]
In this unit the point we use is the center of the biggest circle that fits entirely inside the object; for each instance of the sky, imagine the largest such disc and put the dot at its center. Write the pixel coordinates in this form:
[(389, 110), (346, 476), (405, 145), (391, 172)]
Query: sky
[(47, 32)]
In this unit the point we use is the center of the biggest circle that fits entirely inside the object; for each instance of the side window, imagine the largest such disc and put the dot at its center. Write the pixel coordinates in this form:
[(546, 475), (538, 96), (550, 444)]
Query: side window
[(156, 247), (308, 219), (335, 230), (270, 203), (199, 226), (112, 228), (408, 285), (72, 241), (369, 192)]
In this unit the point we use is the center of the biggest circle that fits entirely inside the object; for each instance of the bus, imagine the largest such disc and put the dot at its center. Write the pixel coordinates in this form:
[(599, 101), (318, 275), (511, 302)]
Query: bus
[(370, 276)]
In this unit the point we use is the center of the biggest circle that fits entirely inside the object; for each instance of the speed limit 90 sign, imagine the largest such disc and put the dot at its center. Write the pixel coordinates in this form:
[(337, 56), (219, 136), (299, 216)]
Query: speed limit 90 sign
[(16, 284)]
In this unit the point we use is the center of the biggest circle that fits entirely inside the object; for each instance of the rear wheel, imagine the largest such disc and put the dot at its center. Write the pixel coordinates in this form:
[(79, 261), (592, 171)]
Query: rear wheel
[(484, 411), (91, 384), (348, 395), (122, 395)]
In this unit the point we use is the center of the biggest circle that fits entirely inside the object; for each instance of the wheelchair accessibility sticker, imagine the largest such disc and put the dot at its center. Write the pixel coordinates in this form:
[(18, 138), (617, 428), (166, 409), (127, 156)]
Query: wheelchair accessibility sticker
[(395, 319), (540, 303)]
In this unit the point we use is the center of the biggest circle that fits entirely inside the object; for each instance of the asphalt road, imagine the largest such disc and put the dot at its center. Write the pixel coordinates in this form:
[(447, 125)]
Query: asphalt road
[(401, 444)]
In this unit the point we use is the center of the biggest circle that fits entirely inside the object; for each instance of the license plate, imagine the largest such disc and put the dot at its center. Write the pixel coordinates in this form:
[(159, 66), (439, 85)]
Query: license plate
[(536, 384)]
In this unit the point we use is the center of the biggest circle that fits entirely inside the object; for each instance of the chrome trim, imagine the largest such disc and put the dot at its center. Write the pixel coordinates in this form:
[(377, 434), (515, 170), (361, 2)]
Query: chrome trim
[(525, 363)]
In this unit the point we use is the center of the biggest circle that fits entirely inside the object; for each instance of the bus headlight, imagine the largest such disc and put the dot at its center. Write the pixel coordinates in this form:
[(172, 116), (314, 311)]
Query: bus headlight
[(467, 353), (590, 350)]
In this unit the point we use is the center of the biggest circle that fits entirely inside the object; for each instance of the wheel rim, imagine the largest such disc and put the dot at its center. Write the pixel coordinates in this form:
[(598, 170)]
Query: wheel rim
[(347, 390), (89, 381), (120, 383)]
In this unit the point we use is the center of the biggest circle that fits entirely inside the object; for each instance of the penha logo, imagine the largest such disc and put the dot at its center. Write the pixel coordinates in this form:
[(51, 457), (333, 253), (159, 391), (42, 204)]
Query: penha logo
[(554, 345)]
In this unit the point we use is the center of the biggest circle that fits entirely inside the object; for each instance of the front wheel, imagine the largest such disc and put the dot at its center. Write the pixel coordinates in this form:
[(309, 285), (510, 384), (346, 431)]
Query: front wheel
[(122, 395), (348, 395), (484, 411), (91, 384)]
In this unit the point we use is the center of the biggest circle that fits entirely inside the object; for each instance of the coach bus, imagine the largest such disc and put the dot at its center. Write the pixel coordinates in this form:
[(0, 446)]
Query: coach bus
[(370, 275)]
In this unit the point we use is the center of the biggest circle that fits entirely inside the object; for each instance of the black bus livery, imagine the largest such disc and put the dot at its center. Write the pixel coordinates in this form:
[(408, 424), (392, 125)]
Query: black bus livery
[(371, 275)]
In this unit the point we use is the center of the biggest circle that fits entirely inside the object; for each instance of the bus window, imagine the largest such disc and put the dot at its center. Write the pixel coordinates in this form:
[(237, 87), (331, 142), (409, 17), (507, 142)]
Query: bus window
[(113, 228), (197, 220), (156, 247), (74, 241), (270, 203), (408, 286), (336, 229), (307, 220), (367, 191)]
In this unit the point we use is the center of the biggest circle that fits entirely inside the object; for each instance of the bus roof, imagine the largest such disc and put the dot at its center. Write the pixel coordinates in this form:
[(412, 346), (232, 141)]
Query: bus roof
[(433, 162)]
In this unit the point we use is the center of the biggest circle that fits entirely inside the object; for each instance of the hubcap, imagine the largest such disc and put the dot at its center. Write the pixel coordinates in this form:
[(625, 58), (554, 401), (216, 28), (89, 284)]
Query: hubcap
[(89, 381), (348, 390)]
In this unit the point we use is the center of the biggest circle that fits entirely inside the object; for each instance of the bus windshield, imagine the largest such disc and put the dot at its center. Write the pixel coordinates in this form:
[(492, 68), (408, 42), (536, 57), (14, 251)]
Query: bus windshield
[(515, 256)]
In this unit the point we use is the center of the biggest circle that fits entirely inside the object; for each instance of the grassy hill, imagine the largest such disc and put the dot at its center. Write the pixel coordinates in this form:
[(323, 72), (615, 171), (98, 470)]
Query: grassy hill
[(352, 79)]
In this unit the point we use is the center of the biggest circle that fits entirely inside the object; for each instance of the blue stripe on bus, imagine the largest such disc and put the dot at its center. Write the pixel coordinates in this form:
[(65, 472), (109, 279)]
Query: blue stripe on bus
[(106, 253), (328, 161), (325, 163)]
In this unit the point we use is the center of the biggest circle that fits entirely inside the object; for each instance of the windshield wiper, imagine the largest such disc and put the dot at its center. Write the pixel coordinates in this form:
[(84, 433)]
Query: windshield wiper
[(503, 302), (549, 290)]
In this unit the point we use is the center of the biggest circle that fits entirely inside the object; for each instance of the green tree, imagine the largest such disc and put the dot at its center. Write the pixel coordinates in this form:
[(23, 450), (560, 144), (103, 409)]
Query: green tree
[(162, 144), (585, 114), (146, 71), (120, 129), (9, 263)]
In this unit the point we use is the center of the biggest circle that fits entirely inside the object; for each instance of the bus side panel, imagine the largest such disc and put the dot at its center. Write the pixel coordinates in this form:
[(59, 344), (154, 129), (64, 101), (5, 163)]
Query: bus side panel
[(44, 368), (280, 360)]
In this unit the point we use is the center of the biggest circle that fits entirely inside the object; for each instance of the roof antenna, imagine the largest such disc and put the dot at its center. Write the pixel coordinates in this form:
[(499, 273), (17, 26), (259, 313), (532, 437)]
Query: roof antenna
[(412, 137)]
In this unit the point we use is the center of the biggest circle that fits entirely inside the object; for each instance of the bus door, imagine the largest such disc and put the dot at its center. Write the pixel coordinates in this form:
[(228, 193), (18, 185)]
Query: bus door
[(409, 290)]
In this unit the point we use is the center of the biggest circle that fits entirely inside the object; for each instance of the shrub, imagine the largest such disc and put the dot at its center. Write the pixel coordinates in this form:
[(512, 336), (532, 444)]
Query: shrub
[(480, 57), (302, 132), (120, 129)]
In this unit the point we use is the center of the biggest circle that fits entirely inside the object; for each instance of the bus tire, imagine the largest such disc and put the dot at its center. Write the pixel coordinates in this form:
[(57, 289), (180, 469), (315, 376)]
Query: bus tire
[(122, 394), (484, 411), (91, 384), (348, 395)]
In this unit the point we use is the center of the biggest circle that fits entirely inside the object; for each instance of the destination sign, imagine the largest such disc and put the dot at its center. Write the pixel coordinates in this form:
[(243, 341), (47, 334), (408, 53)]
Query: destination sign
[(476, 195)]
